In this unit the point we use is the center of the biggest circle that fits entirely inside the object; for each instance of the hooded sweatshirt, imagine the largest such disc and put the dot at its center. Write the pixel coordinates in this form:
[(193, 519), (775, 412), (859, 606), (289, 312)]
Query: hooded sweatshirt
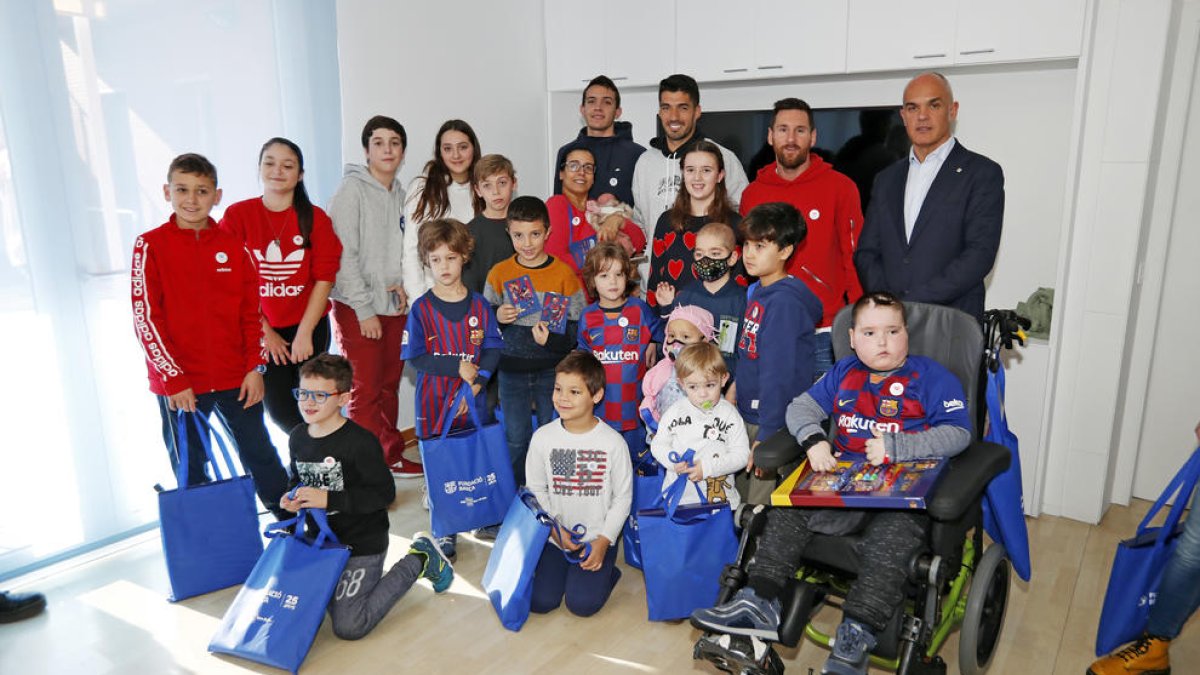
[(615, 156), (775, 352), (829, 203), (369, 220), (657, 177)]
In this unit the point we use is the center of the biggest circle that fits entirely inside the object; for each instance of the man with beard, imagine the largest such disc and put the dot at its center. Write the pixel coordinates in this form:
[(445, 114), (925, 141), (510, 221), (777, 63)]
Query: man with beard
[(610, 141), (829, 203), (657, 176)]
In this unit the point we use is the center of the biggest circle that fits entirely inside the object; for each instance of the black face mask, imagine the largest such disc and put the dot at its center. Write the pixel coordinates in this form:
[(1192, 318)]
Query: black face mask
[(711, 269)]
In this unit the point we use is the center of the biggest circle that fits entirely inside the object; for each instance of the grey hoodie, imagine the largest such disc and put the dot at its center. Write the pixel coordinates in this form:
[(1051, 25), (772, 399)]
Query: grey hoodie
[(369, 220)]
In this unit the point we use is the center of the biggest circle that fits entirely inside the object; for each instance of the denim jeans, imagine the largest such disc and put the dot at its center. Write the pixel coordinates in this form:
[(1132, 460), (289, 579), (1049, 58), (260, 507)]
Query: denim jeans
[(521, 392), (822, 354), (249, 433), (1179, 592)]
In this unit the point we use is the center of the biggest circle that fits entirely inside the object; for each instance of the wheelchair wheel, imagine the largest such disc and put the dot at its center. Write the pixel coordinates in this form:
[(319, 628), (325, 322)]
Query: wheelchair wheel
[(987, 601)]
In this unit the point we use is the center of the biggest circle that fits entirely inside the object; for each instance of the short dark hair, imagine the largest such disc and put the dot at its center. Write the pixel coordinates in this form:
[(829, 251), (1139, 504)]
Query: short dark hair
[(383, 122), (585, 365), (779, 222), (197, 165), (792, 103), (601, 81), (528, 209), (680, 82), (448, 231), (574, 146), (878, 299), (330, 367)]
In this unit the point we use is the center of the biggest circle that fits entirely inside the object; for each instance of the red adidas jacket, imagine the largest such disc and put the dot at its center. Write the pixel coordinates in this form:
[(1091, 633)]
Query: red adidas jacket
[(195, 309)]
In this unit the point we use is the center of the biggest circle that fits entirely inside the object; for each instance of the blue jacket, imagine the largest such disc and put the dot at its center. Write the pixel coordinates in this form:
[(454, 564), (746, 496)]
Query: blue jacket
[(615, 156)]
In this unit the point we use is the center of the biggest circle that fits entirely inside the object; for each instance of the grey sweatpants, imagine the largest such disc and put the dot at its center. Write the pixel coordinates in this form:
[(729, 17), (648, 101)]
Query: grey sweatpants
[(889, 540), (364, 595)]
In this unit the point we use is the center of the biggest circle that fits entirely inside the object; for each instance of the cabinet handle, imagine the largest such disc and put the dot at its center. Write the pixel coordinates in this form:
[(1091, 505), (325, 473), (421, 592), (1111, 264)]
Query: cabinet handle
[(619, 78), (735, 70), (968, 52), (930, 56), (770, 67)]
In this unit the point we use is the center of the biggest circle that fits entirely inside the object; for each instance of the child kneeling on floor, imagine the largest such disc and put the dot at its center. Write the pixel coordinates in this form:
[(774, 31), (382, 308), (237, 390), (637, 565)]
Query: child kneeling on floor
[(579, 470), (340, 468), (888, 406)]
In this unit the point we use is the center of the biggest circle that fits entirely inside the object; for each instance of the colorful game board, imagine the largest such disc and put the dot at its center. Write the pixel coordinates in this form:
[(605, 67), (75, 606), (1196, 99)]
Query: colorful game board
[(857, 484)]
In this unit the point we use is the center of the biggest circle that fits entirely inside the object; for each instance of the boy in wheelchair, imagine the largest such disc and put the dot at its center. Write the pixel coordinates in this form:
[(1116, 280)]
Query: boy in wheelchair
[(888, 406)]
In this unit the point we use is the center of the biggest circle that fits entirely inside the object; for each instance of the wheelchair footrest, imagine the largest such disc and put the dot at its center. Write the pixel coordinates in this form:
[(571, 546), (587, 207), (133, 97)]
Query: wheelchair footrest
[(738, 654)]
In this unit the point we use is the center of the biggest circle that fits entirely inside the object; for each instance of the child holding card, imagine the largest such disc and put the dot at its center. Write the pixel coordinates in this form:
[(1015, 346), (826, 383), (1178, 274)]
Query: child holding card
[(531, 349), (618, 329)]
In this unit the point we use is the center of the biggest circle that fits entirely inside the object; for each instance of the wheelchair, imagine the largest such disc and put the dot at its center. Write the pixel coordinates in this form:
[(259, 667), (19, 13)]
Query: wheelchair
[(954, 583)]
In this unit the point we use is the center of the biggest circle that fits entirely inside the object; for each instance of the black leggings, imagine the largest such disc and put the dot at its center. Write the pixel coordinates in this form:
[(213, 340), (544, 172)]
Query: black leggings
[(280, 380)]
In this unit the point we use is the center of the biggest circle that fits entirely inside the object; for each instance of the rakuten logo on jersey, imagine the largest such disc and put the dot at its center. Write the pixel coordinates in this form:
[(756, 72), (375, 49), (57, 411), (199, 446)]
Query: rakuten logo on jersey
[(615, 355), (852, 423)]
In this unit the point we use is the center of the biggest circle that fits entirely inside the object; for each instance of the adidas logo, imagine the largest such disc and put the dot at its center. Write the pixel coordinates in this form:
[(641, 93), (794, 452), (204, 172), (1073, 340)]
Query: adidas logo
[(272, 266)]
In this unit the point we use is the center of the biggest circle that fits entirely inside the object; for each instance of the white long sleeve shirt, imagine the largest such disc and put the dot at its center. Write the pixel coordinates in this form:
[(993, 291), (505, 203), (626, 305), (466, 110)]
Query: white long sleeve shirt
[(719, 438), (417, 277)]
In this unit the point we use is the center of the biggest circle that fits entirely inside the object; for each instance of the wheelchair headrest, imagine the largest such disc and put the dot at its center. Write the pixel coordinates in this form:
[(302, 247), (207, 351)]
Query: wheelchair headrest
[(949, 336)]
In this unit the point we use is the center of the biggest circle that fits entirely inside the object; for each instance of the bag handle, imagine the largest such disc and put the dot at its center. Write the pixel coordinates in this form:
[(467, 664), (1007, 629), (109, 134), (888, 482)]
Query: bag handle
[(673, 495), (207, 434), (324, 532), (446, 420), (1182, 485), (574, 534)]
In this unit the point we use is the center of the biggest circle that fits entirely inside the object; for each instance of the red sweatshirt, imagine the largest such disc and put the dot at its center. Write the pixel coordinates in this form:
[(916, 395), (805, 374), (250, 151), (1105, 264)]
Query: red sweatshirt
[(286, 271), (829, 203), (195, 309), (563, 233)]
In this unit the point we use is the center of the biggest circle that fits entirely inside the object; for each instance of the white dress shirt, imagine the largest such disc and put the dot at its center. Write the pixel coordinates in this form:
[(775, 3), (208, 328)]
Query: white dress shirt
[(920, 178)]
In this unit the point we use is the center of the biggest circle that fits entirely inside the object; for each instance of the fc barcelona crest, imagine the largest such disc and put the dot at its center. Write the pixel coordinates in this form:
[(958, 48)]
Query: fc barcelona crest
[(632, 333), (476, 336), (889, 407)]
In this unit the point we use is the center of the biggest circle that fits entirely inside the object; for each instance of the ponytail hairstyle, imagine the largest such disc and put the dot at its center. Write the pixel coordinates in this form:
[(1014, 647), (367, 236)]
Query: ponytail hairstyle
[(720, 209), (434, 201), (300, 202)]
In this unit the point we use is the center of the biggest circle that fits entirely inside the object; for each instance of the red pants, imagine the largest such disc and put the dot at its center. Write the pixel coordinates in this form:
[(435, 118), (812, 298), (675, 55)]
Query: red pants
[(374, 395)]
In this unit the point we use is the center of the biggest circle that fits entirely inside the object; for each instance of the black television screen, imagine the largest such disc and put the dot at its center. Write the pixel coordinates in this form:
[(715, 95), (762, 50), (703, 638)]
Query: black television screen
[(858, 142)]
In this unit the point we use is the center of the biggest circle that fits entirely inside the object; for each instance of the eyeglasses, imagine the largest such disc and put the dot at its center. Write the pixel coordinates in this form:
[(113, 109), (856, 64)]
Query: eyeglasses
[(575, 165), (318, 397)]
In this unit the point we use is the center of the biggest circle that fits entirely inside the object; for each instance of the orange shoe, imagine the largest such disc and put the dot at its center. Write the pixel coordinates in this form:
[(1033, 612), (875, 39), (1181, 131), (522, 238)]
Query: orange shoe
[(1146, 656), (407, 469)]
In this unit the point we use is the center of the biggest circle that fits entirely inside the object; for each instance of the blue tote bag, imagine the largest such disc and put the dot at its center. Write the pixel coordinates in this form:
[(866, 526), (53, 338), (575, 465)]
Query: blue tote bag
[(275, 616), (209, 531), (1003, 503), (469, 472), (508, 577), (1139, 563), (684, 551), (647, 494)]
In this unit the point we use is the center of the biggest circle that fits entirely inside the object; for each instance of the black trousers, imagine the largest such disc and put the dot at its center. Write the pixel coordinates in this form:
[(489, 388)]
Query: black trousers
[(280, 380)]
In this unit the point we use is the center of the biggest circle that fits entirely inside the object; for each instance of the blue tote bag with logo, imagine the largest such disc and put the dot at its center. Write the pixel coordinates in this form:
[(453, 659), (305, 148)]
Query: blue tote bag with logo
[(508, 577), (1140, 561), (1003, 503), (209, 531), (647, 494), (684, 551), (275, 616), (468, 471)]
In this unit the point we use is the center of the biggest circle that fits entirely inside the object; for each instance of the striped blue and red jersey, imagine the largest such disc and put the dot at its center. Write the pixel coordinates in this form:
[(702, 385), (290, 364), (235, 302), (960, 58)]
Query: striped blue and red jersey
[(918, 395), (430, 331), (619, 339)]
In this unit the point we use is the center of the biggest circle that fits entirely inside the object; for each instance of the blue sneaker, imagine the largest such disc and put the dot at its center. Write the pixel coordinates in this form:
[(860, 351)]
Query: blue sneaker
[(437, 569), (746, 614), (852, 645), (449, 547)]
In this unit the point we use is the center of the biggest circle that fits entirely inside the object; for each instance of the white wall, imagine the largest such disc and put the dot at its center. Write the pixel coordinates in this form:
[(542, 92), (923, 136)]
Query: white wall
[(426, 61)]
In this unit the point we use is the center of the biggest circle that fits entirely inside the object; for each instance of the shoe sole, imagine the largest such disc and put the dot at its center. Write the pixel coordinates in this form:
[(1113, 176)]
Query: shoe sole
[(449, 563), (1144, 672), (760, 633), (406, 475), (24, 613)]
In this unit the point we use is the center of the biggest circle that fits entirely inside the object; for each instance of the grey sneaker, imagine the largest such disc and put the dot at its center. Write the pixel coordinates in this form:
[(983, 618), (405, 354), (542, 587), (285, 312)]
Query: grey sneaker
[(437, 569), (746, 614), (852, 645), (488, 533)]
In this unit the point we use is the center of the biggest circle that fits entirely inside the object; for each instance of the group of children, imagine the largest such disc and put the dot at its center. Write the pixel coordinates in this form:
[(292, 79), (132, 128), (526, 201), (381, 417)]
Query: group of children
[(712, 367)]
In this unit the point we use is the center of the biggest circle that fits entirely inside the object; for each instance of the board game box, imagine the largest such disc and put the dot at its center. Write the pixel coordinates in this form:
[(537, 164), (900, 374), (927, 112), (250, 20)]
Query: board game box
[(857, 484)]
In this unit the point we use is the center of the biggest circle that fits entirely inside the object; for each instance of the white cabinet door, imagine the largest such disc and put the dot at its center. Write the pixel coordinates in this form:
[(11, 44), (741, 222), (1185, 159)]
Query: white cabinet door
[(1018, 30), (715, 40), (799, 37), (574, 45), (639, 38), (895, 35)]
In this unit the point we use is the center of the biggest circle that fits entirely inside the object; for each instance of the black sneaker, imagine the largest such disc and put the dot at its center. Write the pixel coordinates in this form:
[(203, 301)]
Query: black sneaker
[(18, 606)]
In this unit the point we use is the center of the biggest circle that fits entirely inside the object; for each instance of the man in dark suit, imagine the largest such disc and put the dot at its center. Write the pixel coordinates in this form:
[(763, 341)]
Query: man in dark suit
[(933, 225)]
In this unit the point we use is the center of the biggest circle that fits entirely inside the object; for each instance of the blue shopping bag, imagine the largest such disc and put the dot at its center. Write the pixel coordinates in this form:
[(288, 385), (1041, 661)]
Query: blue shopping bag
[(1003, 503), (647, 494), (1139, 563), (508, 577), (468, 471), (209, 531), (275, 616), (684, 551)]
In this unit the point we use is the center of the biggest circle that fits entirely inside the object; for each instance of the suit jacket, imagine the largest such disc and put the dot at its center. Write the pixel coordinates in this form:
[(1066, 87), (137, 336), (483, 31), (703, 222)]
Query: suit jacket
[(954, 242)]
